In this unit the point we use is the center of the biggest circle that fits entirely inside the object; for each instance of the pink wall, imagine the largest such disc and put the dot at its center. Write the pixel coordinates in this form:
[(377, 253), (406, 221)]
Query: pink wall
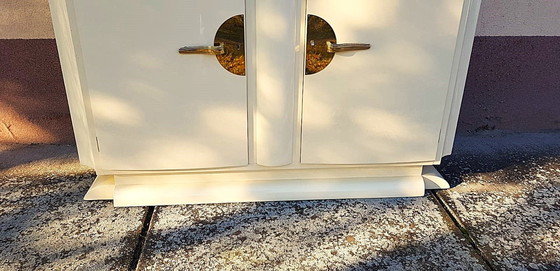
[(513, 82)]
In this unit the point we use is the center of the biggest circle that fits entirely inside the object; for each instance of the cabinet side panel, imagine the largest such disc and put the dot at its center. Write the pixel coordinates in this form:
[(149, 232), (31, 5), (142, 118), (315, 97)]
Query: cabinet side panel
[(67, 54), (472, 19), (453, 80)]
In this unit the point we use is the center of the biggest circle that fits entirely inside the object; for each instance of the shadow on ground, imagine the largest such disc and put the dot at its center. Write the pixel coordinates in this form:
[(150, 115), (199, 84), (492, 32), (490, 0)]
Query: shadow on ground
[(379, 234), (45, 223), (494, 151), (506, 195)]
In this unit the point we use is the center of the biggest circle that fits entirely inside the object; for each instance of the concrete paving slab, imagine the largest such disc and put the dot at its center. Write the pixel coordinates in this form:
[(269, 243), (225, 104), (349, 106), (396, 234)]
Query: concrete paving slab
[(507, 196), (46, 225), (369, 234)]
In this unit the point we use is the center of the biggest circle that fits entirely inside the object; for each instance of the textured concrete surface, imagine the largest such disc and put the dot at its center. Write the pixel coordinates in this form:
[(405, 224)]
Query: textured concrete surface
[(519, 18), (45, 224), (30, 19), (512, 84), (33, 105), (374, 234), (25, 19), (507, 196)]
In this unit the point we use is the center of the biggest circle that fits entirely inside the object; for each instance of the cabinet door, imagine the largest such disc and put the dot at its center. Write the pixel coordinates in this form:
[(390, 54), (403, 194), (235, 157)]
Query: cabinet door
[(384, 104), (154, 108)]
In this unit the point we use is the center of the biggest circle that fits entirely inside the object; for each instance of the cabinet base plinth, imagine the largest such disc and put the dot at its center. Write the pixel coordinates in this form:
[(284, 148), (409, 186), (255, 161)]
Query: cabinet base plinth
[(170, 189), (102, 188), (433, 179)]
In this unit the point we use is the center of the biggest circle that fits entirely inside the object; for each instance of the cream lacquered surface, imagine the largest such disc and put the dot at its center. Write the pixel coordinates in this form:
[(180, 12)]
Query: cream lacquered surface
[(77, 99), (386, 104), (152, 107), (276, 77), (163, 128)]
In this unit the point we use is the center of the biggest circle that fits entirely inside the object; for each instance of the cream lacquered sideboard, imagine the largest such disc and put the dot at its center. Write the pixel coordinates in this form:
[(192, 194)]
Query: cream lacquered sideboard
[(188, 101)]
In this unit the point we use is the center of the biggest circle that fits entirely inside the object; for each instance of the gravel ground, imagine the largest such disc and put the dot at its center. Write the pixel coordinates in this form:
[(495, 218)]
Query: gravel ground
[(45, 224), (369, 234), (502, 213), (507, 196)]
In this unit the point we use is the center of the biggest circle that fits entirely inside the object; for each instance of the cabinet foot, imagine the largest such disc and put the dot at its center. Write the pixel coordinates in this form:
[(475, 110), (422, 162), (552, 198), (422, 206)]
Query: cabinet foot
[(432, 178), (102, 188)]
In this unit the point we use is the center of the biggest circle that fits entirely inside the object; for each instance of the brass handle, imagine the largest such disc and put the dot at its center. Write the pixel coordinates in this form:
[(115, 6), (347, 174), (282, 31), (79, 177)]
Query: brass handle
[(344, 47), (205, 50)]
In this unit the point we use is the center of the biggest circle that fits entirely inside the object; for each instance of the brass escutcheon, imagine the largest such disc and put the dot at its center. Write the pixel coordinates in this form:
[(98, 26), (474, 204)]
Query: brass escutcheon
[(231, 35), (319, 35)]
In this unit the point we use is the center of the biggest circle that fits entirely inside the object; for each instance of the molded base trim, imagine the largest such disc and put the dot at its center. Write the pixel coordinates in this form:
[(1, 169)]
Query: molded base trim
[(269, 190), (169, 189), (432, 178), (102, 188)]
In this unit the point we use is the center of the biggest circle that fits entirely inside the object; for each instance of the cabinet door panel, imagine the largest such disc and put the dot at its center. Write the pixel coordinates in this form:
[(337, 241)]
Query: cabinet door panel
[(154, 108), (385, 104)]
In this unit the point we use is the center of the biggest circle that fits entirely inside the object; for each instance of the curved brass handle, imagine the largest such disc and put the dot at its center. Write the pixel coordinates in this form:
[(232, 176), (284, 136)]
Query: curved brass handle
[(344, 47), (205, 50)]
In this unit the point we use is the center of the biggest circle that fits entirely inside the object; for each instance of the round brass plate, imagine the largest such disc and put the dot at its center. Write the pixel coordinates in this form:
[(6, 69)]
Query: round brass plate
[(319, 32), (232, 35)]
